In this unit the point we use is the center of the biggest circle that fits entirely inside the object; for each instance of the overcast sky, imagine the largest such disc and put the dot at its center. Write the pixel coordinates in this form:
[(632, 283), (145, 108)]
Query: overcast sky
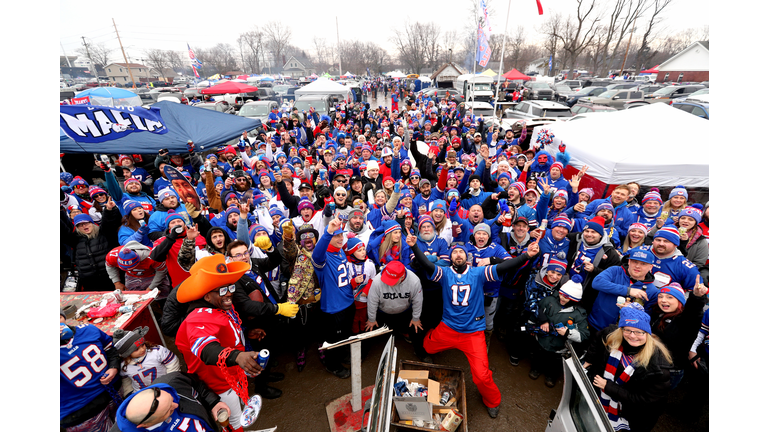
[(171, 25)]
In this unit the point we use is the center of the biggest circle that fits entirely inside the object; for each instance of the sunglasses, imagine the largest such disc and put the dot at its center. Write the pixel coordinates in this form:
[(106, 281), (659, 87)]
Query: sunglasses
[(307, 236), (223, 290), (155, 403), (340, 194)]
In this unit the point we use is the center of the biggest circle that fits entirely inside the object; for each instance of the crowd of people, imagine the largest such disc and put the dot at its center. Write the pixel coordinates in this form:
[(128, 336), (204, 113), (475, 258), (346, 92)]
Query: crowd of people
[(435, 223)]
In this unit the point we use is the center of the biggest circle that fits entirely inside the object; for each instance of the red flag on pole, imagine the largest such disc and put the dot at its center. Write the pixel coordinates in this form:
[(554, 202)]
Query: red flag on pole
[(538, 4)]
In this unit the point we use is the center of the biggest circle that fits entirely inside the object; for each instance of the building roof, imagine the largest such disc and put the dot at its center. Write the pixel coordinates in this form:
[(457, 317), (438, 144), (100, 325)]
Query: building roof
[(693, 49), (132, 65), (306, 63), (441, 68)]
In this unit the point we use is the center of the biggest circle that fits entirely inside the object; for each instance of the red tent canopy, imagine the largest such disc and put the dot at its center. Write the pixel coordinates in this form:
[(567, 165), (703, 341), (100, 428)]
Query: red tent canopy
[(515, 74), (229, 87), (242, 77), (654, 69)]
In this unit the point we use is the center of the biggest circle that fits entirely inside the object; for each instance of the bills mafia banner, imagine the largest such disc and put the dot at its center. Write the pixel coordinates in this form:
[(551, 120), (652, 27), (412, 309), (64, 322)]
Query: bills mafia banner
[(95, 124)]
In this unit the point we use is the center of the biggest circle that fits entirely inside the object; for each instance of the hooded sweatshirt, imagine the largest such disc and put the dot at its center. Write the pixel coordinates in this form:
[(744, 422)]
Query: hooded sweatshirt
[(395, 299)]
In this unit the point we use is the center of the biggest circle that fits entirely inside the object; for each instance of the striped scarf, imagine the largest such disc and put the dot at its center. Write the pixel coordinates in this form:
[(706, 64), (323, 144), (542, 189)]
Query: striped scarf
[(612, 407)]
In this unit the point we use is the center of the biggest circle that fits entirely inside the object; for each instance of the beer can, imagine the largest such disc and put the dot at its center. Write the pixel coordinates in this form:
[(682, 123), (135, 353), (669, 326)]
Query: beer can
[(125, 309), (263, 358), (119, 296)]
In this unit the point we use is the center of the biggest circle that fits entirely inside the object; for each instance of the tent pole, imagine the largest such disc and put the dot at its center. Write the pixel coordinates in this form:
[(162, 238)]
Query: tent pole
[(501, 62)]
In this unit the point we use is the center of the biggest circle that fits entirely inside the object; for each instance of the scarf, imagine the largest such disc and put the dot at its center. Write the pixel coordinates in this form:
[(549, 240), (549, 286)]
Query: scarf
[(393, 254), (301, 284), (611, 407), (691, 240)]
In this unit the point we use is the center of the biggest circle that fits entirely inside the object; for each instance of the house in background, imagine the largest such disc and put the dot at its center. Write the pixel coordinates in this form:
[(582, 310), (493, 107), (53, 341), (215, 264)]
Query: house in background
[(690, 64), (297, 68), (118, 73), (446, 74)]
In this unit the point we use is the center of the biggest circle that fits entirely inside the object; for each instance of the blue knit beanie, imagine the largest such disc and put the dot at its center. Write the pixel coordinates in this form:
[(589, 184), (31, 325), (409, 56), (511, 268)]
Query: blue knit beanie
[(633, 315)]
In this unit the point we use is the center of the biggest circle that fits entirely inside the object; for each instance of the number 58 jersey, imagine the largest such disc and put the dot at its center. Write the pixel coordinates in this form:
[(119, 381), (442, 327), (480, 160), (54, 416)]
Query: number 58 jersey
[(83, 362), (463, 300)]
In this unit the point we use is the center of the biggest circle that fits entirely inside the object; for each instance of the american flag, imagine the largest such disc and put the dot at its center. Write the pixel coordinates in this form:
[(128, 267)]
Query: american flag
[(195, 62)]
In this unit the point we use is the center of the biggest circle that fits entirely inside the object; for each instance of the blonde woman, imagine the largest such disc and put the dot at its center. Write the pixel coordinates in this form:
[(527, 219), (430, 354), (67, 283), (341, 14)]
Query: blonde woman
[(677, 201), (636, 236), (387, 243), (629, 367)]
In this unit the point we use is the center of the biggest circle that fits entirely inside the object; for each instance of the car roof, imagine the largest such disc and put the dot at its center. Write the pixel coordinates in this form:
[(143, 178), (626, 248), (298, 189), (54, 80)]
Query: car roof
[(481, 105), (547, 104), (260, 103)]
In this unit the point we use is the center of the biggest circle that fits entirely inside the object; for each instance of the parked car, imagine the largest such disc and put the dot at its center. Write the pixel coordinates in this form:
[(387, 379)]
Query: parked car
[(585, 92), (478, 109), (289, 95), (589, 108), (623, 86), (280, 89), (616, 98), (539, 91), (563, 92), (704, 91), (322, 104), (674, 92), (258, 109), (648, 90), (575, 85), (438, 93), (222, 107), (263, 94), (698, 106), (537, 109)]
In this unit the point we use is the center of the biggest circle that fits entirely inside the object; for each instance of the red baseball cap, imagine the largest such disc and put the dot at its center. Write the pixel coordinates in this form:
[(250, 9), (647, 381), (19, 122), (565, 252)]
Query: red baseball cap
[(392, 273)]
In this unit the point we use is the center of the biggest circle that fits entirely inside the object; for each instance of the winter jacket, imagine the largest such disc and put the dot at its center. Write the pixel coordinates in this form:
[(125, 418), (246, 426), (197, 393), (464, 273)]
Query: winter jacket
[(146, 267), (120, 197), (125, 234), (395, 299), (551, 311), (696, 249), (642, 398), (90, 254), (602, 255), (195, 398), (680, 331), (612, 283), (622, 215), (190, 252), (536, 290)]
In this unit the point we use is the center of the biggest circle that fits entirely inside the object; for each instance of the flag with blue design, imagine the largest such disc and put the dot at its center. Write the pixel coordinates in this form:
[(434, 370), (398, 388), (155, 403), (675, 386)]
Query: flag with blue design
[(550, 62), (485, 21), (483, 48)]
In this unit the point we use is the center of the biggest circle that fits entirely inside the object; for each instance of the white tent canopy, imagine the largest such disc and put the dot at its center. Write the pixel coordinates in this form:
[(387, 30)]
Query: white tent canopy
[(323, 86), (653, 145), (396, 74)]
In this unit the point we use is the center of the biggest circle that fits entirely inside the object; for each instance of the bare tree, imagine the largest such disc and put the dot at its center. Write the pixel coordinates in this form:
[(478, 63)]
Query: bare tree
[(252, 44), (450, 41), (645, 52), (156, 59), (619, 25), (552, 29), (222, 58), (99, 53), (417, 45), (578, 32), (277, 37), (516, 43), (176, 60)]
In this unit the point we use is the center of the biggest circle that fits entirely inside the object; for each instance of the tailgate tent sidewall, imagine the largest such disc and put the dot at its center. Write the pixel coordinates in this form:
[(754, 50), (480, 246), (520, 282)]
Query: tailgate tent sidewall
[(653, 145)]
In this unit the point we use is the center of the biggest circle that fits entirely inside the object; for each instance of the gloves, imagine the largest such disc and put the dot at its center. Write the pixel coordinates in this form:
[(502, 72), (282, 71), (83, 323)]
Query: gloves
[(288, 229), (504, 207), (241, 145), (287, 309), (452, 208), (397, 187), (432, 258), (191, 210), (190, 146), (561, 147), (104, 166), (175, 233), (263, 243), (144, 230), (317, 296)]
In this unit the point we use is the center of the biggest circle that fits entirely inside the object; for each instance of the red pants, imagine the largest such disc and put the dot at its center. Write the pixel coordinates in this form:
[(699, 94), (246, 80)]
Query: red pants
[(394, 106), (473, 346)]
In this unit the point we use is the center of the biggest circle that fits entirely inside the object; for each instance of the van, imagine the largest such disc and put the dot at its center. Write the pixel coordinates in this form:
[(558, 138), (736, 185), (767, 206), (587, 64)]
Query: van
[(475, 87), (322, 104)]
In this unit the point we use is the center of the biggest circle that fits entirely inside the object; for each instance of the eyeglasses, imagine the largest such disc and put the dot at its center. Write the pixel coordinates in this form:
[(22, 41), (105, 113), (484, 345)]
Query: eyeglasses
[(634, 332), (306, 236), (242, 179), (240, 255), (155, 403), (223, 290)]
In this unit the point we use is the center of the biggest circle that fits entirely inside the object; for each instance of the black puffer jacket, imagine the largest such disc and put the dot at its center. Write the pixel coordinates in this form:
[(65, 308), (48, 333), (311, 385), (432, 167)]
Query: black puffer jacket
[(90, 254), (643, 396), (680, 332)]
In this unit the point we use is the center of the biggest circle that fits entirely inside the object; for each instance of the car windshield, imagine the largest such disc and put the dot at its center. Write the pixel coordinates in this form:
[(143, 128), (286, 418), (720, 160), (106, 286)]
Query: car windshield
[(552, 112), (699, 92), (562, 88), (665, 91), (254, 111), (304, 105), (539, 86), (280, 88), (485, 112), (585, 90), (482, 87), (608, 94)]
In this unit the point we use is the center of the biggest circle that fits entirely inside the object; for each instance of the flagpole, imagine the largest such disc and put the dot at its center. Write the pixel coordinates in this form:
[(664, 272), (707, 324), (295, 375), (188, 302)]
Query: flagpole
[(501, 63), (474, 63)]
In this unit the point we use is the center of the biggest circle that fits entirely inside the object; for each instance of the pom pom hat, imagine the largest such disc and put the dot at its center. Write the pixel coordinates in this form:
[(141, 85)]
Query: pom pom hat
[(633, 315), (573, 290), (675, 290)]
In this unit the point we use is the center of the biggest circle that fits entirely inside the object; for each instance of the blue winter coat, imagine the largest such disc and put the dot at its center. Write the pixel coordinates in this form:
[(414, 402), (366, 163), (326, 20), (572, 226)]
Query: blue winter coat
[(610, 284)]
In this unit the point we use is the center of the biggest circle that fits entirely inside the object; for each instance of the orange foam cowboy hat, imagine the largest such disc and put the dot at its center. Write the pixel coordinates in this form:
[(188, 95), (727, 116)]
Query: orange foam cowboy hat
[(207, 274)]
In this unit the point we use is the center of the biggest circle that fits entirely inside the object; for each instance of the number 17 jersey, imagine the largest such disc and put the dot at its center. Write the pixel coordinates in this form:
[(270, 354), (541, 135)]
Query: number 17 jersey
[(463, 302)]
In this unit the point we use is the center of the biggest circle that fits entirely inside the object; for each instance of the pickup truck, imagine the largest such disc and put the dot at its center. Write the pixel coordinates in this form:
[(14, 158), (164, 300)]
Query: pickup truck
[(537, 109), (615, 98)]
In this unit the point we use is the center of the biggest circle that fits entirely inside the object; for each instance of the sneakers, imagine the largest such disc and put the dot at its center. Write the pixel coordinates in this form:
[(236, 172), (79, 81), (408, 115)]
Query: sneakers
[(275, 377), (493, 412), (534, 374), (514, 360), (270, 393), (549, 382), (341, 372)]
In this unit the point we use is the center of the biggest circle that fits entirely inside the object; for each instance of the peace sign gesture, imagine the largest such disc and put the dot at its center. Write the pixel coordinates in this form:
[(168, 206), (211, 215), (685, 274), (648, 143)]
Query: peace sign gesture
[(110, 204)]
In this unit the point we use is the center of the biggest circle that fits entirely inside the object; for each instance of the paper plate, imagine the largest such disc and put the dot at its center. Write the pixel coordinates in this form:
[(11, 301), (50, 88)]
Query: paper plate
[(251, 411)]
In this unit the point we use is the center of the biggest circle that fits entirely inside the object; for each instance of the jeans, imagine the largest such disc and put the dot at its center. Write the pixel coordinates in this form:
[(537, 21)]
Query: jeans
[(675, 376)]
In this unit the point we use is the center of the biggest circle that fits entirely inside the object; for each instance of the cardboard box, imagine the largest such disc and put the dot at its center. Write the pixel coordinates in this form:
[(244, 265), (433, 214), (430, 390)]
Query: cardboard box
[(413, 408)]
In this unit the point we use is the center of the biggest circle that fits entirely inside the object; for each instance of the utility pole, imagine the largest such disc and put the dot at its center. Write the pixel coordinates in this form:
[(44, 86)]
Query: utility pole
[(65, 54), (93, 65), (628, 44), (130, 72), (338, 44)]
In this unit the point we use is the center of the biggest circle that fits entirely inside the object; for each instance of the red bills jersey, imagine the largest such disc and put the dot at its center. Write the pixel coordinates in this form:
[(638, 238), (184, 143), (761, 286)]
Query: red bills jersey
[(201, 327), (145, 269)]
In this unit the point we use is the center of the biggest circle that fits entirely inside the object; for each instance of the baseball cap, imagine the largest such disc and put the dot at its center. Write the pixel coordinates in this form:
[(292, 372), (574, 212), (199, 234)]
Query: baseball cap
[(477, 134), (392, 273), (642, 255), (305, 185)]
